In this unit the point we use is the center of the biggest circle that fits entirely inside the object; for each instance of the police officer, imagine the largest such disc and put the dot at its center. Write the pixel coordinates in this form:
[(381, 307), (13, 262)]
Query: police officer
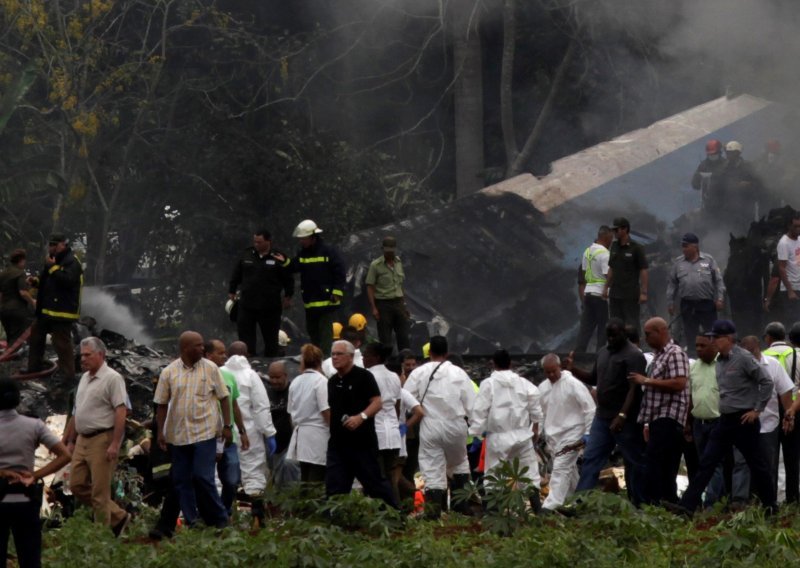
[(261, 274), (695, 289)]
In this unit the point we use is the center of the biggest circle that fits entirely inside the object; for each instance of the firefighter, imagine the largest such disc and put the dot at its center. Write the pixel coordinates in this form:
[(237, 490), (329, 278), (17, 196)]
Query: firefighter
[(708, 172), (322, 279)]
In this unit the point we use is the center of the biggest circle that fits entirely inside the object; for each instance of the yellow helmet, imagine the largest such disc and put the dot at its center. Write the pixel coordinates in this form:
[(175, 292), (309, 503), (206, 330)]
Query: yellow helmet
[(337, 330), (426, 350), (357, 321)]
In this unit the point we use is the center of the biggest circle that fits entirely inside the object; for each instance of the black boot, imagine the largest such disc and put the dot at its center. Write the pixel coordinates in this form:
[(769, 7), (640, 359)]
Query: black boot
[(535, 501), (434, 501), (257, 510), (460, 481)]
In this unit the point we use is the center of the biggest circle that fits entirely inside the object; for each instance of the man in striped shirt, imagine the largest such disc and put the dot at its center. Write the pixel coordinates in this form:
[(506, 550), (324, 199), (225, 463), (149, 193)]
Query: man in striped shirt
[(188, 395), (665, 404)]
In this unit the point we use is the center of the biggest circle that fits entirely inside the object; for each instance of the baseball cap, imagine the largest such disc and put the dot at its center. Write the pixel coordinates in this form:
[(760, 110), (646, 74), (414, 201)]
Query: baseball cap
[(721, 327), (389, 244), (56, 238), (621, 222), (689, 238)]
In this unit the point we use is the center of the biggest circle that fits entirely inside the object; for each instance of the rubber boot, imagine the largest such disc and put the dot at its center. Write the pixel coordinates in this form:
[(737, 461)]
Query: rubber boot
[(257, 510), (460, 481), (434, 501), (535, 501)]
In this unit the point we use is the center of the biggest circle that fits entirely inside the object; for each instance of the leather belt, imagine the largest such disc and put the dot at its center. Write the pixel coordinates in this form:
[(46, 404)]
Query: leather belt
[(94, 433)]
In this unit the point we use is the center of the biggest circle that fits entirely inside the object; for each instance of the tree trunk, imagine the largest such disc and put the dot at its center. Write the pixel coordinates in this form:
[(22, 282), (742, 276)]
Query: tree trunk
[(507, 83), (521, 162), (468, 96)]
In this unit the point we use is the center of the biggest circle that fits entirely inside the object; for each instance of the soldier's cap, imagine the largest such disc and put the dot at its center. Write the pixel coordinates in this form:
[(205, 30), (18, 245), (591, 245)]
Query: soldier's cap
[(56, 238), (721, 327), (621, 222), (389, 244), (689, 239)]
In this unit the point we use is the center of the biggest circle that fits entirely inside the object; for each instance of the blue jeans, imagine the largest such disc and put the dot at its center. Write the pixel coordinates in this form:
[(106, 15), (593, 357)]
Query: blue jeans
[(716, 487), (602, 442), (193, 471), (230, 476)]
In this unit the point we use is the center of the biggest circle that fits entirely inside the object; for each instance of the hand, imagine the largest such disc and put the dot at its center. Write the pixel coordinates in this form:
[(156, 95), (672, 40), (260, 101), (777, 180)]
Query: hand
[(637, 378), (244, 441), (279, 257), (228, 435), (162, 441), (605, 293), (791, 295), (750, 417), (642, 298), (671, 309), (788, 422), (687, 433), (353, 422), (719, 304), (272, 445), (617, 424), (25, 478), (376, 314), (336, 299), (585, 439), (568, 361), (403, 430), (112, 452), (766, 304), (50, 260), (646, 432), (287, 302)]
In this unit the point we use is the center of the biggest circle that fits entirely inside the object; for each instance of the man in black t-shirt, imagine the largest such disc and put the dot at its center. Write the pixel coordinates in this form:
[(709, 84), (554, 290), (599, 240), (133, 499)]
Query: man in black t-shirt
[(626, 282), (354, 399), (618, 401)]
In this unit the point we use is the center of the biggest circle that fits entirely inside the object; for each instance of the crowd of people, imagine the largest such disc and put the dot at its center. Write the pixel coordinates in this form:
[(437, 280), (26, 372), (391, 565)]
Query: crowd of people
[(375, 413)]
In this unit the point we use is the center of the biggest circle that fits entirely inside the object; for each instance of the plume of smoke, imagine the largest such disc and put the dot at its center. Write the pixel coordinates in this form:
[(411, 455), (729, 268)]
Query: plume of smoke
[(112, 316)]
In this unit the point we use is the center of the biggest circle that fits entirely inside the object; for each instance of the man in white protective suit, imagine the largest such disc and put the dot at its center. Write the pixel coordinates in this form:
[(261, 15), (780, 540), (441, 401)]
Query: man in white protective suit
[(257, 418), (445, 393), (568, 413), (507, 413)]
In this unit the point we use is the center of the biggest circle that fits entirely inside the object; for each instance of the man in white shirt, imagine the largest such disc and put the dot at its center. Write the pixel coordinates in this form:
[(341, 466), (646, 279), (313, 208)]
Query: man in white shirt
[(254, 407), (568, 413), (507, 412), (789, 272), (591, 281), (446, 395), (770, 421), (352, 335)]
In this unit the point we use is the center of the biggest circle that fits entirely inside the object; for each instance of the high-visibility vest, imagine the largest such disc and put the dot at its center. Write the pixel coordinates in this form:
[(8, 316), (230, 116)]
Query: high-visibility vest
[(588, 275)]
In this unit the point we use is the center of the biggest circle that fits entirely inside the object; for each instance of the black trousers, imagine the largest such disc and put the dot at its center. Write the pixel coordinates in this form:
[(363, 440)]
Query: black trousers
[(319, 325), (15, 322), (663, 460), (625, 309), (790, 443), (312, 472), (696, 314), (268, 320), (594, 317), (21, 520), (346, 463), (61, 335), (393, 319), (729, 432)]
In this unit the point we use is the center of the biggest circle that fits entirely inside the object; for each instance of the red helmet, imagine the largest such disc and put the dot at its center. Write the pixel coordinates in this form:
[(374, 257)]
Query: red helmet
[(713, 146)]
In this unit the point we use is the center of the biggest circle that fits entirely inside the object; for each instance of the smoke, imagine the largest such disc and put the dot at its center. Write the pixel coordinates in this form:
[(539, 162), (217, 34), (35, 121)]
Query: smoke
[(112, 316)]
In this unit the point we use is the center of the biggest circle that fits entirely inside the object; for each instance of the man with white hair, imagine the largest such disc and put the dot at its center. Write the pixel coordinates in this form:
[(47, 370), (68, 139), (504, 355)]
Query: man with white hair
[(354, 399), (507, 412), (257, 418), (568, 413), (446, 394), (96, 430)]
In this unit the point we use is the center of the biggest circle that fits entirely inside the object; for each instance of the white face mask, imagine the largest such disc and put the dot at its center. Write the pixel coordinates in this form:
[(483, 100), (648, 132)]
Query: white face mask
[(713, 157)]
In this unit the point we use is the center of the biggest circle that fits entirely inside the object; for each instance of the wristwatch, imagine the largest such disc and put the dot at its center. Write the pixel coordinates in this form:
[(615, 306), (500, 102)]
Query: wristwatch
[(228, 426), (364, 416)]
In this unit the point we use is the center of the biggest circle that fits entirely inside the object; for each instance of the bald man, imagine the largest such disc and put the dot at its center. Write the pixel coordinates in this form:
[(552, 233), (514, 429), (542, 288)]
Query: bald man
[(192, 399), (665, 405)]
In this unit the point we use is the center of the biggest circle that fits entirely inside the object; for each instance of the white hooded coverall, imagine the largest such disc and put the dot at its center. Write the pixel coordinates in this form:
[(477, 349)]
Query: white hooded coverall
[(568, 413), (506, 409), (447, 401), (257, 419)]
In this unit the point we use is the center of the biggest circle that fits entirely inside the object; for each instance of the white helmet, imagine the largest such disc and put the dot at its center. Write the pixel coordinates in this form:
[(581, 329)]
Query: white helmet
[(283, 338), (306, 229), (733, 146)]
